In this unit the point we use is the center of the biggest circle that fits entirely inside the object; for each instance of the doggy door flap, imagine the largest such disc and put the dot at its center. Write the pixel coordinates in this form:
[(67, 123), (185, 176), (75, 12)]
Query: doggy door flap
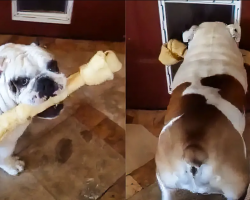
[(177, 17), (41, 6)]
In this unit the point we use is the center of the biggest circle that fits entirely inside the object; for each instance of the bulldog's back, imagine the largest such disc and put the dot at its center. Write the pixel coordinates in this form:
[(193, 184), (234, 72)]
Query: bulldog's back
[(212, 51)]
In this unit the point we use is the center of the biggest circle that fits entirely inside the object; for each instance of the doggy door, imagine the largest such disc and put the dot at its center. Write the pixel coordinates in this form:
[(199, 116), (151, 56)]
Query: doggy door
[(42, 11), (178, 16)]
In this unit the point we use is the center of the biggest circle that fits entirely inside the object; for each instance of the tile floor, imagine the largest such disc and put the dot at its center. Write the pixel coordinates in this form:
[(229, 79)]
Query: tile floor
[(142, 130), (79, 155)]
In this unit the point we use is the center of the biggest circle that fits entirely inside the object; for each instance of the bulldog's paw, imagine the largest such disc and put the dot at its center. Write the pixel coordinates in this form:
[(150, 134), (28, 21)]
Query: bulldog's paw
[(12, 165)]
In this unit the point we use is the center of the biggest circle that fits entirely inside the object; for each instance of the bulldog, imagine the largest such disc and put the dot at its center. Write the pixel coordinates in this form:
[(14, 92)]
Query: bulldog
[(29, 75), (201, 147)]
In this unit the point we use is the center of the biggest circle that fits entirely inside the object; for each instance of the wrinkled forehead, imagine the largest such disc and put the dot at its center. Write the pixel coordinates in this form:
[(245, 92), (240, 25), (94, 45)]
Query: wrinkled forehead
[(212, 26), (209, 24), (26, 60), (218, 29)]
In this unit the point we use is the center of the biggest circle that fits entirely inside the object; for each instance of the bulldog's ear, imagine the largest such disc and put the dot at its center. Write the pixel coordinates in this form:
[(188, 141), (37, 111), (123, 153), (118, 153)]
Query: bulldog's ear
[(235, 31), (188, 35), (35, 43), (3, 63)]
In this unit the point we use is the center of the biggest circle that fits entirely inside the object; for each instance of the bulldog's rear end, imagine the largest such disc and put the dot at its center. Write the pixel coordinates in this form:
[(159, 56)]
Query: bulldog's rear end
[(201, 147)]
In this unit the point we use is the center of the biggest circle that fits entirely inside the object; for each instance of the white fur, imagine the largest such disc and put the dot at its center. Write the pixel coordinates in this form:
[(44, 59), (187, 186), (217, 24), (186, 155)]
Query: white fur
[(203, 182), (21, 61), (165, 192), (170, 123), (211, 53), (31, 61)]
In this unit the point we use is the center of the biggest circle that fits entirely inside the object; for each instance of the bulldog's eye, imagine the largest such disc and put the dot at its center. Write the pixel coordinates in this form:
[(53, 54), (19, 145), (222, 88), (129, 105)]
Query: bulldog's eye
[(21, 82), (24, 81), (52, 66)]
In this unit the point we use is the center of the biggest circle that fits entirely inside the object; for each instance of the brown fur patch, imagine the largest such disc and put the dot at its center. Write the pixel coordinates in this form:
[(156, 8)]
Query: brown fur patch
[(230, 89)]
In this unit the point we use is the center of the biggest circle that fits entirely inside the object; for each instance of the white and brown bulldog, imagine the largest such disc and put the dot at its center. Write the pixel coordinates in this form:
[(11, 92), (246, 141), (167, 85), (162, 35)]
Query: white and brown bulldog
[(201, 148)]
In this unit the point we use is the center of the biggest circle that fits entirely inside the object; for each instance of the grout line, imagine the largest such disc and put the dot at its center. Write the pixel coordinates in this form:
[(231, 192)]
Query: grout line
[(42, 185), (112, 186), (103, 139)]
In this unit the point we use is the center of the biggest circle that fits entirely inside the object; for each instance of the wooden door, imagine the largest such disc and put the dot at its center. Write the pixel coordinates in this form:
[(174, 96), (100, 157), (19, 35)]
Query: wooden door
[(91, 20), (245, 40), (146, 78), (146, 85)]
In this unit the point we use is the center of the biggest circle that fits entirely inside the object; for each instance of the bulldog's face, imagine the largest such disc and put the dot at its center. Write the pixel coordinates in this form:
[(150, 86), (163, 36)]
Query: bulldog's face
[(32, 75)]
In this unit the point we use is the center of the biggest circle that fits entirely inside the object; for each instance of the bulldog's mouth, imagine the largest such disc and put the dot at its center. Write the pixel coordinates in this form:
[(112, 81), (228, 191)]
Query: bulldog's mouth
[(51, 112)]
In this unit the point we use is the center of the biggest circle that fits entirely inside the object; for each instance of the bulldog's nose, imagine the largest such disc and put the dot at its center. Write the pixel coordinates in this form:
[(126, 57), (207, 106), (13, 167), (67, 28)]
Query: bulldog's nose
[(46, 87)]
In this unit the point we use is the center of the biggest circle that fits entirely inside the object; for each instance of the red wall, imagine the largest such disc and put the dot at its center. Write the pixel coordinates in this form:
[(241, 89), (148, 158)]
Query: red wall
[(245, 25), (245, 39), (146, 77), (95, 20)]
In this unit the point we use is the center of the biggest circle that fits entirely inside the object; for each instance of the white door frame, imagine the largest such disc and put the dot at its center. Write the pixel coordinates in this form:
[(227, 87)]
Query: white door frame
[(56, 18), (163, 23)]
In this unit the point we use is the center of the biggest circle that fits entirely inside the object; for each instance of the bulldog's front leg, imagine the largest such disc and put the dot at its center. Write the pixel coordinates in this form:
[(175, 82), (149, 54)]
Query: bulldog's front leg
[(9, 163)]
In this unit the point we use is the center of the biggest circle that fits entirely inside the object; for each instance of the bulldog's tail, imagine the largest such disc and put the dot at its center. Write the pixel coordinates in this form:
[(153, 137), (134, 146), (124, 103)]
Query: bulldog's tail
[(195, 155)]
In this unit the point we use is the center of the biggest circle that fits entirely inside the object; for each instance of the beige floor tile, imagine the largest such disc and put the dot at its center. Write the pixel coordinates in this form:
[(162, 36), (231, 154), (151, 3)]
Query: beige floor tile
[(5, 39), (37, 129), (21, 39), (140, 146), (89, 116), (24, 187), (132, 187), (116, 192), (150, 193), (145, 175), (111, 102), (153, 120), (71, 168), (112, 134)]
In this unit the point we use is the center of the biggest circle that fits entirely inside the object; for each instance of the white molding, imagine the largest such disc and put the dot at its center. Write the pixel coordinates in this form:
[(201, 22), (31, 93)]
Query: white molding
[(56, 18), (164, 35), (163, 23)]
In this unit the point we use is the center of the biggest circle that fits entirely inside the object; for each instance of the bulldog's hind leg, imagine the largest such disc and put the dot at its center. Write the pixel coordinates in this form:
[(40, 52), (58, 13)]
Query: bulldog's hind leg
[(166, 193), (9, 163)]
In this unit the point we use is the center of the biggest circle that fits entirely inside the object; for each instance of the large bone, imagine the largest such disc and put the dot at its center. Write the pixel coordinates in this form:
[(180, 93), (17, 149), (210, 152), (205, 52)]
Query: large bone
[(99, 69), (174, 51)]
